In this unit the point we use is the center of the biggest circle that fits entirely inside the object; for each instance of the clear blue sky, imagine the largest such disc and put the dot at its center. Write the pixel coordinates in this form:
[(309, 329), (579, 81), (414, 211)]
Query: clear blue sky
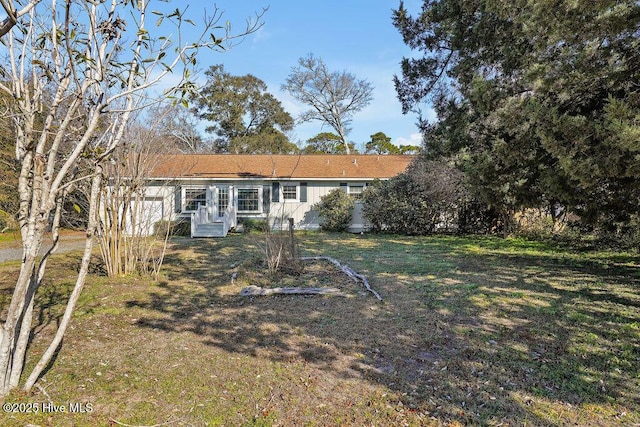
[(355, 36)]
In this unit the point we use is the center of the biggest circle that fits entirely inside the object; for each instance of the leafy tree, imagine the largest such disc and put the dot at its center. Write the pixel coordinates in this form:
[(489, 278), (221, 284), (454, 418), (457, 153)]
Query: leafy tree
[(381, 144), (326, 142), (268, 141), (410, 149), (333, 97), (535, 99), (246, 118), (76, 72)]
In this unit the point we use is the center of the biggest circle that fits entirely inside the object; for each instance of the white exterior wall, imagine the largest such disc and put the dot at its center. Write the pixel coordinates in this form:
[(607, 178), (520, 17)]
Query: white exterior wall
[(305, 218), (155, 205)]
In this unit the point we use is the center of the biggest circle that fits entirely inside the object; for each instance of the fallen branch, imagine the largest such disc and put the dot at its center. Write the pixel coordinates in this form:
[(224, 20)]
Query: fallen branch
[(253, 290), (112, 421), (346, 270)]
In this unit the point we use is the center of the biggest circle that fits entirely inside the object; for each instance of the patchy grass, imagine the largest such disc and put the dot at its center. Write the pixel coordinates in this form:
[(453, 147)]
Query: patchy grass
[(12, 238), (471, 331)]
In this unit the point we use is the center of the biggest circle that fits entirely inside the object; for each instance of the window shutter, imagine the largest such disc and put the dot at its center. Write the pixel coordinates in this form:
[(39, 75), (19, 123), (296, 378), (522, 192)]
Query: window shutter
[(177, 198), (266, 198), (275, 192), (343, 186), (303, 192)]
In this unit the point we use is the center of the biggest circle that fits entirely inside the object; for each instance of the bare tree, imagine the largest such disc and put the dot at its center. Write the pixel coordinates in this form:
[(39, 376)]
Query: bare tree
[(132, 234), (334, 97), (79, 69), (129, 236), (176, 125)]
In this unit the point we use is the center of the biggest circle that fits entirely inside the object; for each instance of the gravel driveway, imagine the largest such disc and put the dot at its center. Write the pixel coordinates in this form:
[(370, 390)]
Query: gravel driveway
[(12, 251)]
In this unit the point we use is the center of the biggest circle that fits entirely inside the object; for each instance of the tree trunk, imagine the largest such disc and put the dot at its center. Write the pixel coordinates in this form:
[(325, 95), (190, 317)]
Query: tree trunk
[(343, 137), (27, 318), (18, 309), (75, 294), (20, 351)]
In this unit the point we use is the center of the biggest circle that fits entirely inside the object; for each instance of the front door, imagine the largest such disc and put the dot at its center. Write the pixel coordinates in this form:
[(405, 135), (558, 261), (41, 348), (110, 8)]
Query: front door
[(222, 197)]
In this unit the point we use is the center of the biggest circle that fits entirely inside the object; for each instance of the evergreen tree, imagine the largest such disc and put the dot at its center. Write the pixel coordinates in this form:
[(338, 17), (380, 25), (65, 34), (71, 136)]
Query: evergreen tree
[(326, 143), (381, 144), (245, 117), (538, 101)]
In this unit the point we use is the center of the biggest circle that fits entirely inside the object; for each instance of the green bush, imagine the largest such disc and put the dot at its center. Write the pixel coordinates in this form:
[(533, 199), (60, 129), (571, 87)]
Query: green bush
[(429, 197), (180, 227), (623, 235), (476, 217), (335, 209), (253, 224), (422, 200)]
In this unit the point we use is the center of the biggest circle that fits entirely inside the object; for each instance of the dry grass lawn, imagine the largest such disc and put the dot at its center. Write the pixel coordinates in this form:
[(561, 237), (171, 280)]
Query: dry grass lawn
[(471, 331)]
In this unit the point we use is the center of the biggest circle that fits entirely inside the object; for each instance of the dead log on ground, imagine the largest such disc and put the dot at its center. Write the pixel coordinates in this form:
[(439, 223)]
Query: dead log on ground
[(253, 290), (357, 277)]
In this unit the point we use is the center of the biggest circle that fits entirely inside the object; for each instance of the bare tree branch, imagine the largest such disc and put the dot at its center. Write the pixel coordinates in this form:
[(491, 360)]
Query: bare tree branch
[(13, 14), (334, 97)]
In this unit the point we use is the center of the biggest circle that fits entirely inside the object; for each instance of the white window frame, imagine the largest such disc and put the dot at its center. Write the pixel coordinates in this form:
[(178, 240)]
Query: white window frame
[(296, 185), (356, 196), (256, 188), (184, 196)]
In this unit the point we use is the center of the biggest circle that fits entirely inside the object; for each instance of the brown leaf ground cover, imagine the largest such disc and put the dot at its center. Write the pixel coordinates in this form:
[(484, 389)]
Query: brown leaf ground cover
[(471, 331)]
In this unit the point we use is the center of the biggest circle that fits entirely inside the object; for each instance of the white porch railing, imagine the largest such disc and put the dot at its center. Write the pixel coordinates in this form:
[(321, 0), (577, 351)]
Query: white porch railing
[(230, 217), (202, 218), (199, 217)]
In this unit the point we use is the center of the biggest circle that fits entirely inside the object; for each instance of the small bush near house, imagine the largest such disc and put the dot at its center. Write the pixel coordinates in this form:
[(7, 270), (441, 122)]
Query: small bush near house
[(251, 224), (180, 227), (335, 209)]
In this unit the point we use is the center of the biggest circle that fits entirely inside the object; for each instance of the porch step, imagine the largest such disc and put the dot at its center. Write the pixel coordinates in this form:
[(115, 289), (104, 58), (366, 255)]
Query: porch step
[(211, 229)]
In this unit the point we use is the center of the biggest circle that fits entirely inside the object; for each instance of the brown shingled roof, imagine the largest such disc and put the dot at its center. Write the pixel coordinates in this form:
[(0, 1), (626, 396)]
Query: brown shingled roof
[(280, 166)]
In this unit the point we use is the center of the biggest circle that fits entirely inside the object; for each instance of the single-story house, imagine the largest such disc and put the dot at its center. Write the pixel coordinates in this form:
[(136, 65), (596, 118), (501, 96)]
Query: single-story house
[(217, 190)]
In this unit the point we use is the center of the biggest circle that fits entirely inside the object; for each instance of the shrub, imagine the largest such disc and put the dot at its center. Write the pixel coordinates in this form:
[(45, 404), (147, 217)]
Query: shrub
[(534, 223), (421, 200), (180, 227), (253, 224), (476, 217), (335, 209), (431, 196)]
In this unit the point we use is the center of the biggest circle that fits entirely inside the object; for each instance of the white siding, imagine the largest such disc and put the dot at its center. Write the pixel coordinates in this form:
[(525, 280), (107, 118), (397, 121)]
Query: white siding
[(304, 217), (303, 214)]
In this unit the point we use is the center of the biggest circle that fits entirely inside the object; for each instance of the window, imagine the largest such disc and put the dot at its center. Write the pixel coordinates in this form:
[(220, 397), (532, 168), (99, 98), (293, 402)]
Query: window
[(355, 191), (223, 200), (289, 192), (248, 200), (194, 198)]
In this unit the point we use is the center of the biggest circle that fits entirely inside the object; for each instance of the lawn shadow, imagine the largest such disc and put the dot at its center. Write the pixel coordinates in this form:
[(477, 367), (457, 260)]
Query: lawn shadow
[(477, 339)]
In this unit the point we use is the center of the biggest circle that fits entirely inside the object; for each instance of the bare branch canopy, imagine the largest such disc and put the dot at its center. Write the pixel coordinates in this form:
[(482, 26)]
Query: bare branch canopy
[(333, 97)]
